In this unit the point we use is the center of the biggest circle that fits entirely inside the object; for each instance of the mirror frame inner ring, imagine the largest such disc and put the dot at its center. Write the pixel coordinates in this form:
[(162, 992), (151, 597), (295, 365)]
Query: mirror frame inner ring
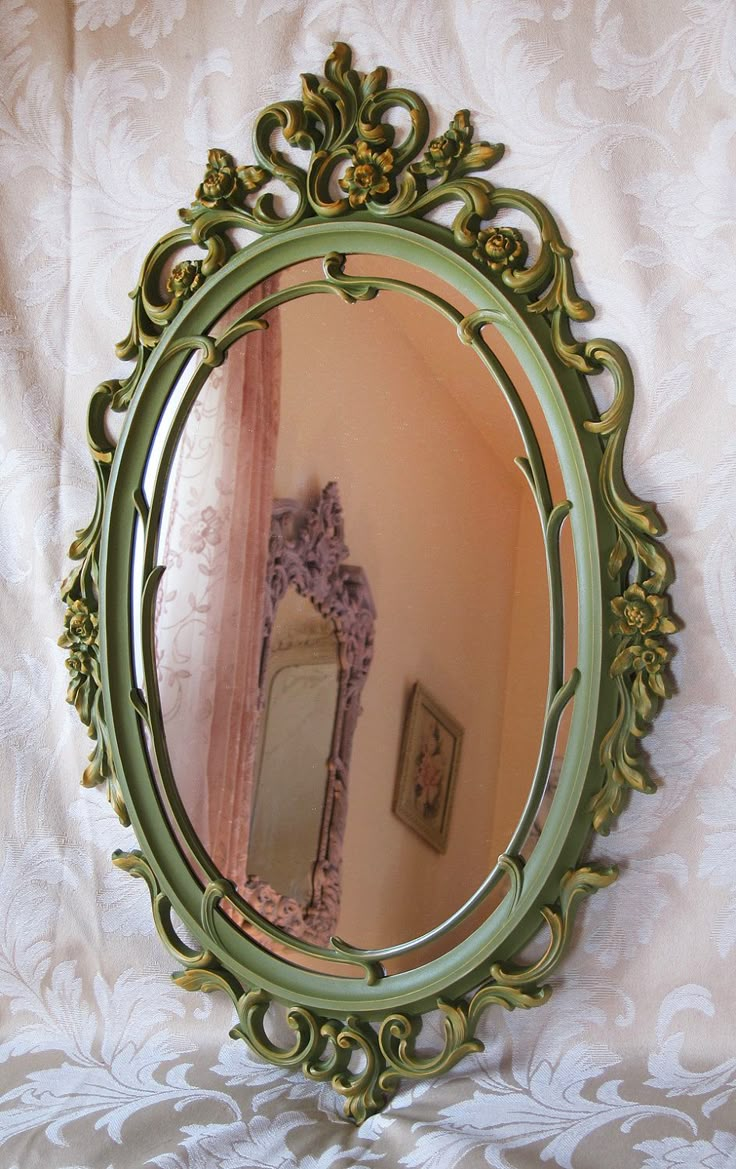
[(565, 400)]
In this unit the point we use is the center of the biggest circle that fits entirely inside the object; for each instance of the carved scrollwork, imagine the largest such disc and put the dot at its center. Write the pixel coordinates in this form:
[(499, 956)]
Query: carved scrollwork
[(323, 1045), (357, 164), (81, 636)]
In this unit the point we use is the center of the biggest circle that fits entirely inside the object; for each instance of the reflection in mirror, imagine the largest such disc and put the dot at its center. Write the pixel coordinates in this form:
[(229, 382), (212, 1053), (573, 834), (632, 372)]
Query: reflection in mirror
[(306, 550), (381, 397), (300, 699)]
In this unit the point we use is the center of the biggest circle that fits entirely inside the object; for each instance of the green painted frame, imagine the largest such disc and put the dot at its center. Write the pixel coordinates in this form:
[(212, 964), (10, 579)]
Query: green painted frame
[(622, 572)]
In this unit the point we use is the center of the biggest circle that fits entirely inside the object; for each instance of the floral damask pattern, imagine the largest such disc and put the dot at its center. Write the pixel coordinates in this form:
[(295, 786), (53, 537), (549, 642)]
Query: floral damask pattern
[(617, 115)]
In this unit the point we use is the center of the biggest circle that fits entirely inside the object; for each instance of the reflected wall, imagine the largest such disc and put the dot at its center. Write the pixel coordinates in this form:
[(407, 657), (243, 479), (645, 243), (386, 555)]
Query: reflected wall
[(383, 399)]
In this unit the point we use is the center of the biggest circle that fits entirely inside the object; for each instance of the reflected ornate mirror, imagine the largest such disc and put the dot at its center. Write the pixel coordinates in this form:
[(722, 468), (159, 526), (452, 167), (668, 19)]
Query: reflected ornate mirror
[(315, 658), (364, 781)]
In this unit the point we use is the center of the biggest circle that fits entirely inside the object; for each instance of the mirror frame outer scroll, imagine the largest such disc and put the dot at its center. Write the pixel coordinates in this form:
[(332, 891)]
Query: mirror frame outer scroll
[(623, 574)]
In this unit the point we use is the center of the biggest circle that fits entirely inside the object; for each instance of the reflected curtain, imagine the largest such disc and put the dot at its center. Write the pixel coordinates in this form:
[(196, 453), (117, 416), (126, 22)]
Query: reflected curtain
[(215, 546)]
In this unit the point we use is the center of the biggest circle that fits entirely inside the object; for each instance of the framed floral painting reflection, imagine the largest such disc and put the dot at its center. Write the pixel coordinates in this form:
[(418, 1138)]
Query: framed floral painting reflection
[(430, 756)]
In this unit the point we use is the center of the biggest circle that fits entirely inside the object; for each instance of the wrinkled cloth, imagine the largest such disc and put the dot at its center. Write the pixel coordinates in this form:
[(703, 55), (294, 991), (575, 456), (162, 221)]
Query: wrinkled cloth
[(617, 114)]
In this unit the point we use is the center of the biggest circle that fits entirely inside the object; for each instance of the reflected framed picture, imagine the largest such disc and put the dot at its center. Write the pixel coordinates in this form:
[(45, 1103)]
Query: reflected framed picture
[(428, 766)]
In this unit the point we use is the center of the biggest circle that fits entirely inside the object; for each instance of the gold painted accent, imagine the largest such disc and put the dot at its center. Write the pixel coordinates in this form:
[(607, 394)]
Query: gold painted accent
[(323, 1046), (575, 884)]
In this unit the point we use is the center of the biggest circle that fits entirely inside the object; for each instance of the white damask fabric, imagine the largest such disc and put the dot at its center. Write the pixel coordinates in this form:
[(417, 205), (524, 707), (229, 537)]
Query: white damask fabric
[(621, 115)]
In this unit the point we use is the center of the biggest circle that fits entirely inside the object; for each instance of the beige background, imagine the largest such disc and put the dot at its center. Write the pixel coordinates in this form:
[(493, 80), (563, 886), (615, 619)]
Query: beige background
[(620, 116)]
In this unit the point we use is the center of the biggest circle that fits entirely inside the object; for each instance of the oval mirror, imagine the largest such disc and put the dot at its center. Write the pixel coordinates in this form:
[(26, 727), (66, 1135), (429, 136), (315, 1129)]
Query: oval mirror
[(381, 402), (366, 627)]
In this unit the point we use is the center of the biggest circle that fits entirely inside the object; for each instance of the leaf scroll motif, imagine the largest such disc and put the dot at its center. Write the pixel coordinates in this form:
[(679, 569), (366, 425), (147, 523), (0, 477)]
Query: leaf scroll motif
[(80, 593), (575, 884), (641, 619), (637, 559), (323, 1046)]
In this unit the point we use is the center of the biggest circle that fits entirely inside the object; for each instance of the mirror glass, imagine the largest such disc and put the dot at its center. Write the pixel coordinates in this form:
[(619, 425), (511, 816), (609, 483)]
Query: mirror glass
[(294, 744), (380, 399)]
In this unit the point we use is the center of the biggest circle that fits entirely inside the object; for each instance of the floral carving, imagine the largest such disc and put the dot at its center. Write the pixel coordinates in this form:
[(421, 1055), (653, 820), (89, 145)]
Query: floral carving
[(81, 665), (80, 625), (640, 617), (440, 155), (641, 621), (444, 153), (80, 637), (186, 277), (639, 613), (647, 660), (501, 247), (225, 183), (220, 179), (646, 663), (368, 175)]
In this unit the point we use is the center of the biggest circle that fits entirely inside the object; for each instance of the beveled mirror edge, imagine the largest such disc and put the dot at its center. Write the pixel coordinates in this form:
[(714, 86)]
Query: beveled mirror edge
[(338, 121)]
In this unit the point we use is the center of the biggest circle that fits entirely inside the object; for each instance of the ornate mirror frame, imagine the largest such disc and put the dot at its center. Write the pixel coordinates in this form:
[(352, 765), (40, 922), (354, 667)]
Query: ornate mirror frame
[(385, 194), (305, 551)]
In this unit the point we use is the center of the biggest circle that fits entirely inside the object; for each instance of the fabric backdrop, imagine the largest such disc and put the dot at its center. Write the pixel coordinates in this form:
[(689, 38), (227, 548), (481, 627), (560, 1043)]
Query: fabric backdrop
[(621, 115)]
